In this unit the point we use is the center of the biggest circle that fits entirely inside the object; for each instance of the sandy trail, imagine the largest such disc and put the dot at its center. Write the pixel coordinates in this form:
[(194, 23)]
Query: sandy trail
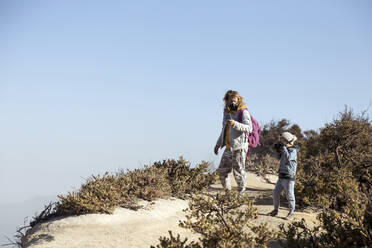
[(142, 228)]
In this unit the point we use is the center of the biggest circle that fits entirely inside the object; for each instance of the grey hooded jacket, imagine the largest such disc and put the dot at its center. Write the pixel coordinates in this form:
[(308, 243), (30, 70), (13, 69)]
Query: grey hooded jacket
[(237, 138), (288, 160)]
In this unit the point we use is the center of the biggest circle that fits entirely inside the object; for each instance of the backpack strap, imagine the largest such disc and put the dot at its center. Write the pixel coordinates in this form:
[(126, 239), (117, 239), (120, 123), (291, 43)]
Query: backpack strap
[(240, 115)]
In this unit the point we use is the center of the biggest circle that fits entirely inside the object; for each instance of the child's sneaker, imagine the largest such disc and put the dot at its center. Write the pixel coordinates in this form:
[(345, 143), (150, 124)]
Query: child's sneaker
[(273, 213)]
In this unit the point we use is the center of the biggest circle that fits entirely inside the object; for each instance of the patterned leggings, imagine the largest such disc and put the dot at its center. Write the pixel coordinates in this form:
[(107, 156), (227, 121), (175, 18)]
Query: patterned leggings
[(233, 161)]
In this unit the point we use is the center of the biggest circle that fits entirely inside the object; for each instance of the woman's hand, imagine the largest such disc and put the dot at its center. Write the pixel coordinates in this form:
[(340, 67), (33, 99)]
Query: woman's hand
[(216, 149), (230, 122)]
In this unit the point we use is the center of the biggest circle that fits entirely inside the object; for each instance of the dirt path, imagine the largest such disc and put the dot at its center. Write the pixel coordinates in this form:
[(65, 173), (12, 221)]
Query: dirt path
[(142, 228), (261, 191)]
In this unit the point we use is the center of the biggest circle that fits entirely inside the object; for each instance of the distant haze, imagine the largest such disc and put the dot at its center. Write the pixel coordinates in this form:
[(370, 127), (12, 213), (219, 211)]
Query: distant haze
[(13, 215)]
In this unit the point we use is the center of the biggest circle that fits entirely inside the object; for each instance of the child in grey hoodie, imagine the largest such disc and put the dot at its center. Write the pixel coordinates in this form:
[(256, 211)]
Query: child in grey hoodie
[(287, 153)]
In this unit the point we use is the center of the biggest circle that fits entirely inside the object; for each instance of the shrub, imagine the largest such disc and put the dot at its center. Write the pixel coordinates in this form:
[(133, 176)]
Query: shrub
[(334, 173), (185, 180), (173, 242), (334, 189), (223, 221), (270, 135), (263, 166), (101, 194), (335, 230), (262, 160), (334, 165), (349, 140)]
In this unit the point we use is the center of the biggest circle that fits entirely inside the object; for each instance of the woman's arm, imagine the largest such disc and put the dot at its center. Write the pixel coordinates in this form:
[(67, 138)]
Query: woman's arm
[(246, 125), (220, 138)]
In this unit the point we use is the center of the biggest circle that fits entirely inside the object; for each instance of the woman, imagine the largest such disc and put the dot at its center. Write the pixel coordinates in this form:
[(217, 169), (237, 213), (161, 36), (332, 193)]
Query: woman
[(233, 136)]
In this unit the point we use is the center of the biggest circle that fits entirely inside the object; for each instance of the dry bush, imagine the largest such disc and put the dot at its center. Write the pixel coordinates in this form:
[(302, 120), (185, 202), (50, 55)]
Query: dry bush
[(19, 237), (327, 189), (262, 159), (336, 230), (176, 242), (335, 174), (349, 139), (223, 221), (101, 194), (185, 180), (335, 165), (270, 135), (263, 166)]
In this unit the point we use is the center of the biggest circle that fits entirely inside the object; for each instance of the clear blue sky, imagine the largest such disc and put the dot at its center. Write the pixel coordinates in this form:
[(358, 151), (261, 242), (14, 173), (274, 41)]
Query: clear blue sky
[(94, 86)]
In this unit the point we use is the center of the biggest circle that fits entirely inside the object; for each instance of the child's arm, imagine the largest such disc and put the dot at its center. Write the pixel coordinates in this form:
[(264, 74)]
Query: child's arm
[(278, 147), (246, 125), (285, 152), (291, 156), (293, 161)]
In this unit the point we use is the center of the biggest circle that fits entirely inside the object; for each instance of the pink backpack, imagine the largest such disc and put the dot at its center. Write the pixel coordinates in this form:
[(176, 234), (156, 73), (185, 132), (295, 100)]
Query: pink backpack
[(254, 136)]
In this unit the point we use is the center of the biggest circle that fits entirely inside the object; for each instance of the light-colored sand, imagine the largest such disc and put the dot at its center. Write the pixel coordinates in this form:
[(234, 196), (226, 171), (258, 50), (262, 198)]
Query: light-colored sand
[(127, 228), (124, 228)]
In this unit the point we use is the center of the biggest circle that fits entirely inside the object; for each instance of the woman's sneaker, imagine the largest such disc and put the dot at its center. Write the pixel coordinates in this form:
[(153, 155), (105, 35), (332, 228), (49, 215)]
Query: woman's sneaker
[(290, 216), (273, 213)]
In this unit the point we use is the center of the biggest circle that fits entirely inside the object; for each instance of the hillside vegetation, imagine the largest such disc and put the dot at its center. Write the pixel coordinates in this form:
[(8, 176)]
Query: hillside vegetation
[(101, 194), (334, 175)]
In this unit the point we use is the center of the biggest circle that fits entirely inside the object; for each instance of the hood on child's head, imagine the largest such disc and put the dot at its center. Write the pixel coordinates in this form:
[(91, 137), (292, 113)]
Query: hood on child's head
[(290, 138)]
